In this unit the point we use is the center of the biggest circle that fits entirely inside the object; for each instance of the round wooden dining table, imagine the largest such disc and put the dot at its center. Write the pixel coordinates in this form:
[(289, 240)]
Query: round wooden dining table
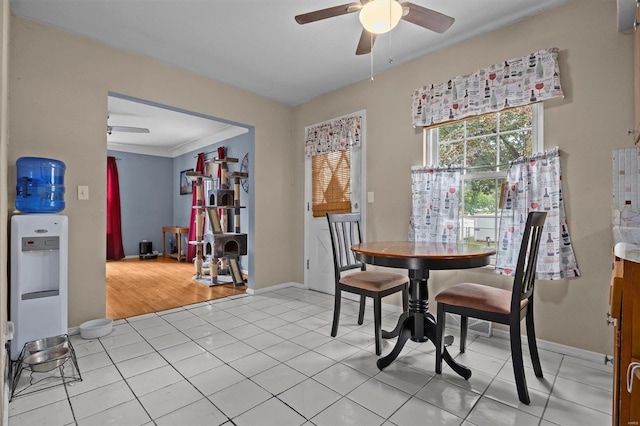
[(419, 258)]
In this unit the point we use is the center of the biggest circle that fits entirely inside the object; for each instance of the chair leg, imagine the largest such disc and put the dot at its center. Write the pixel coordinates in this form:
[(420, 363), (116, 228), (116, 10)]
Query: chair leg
[(533, 346), (363, 303), (405, 298), (439, 332), (518, 364), (464, 325), (377, 322), (336, 312)]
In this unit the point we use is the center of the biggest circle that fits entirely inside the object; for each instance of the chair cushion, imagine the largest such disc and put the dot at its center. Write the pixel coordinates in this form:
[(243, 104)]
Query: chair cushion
[(478, 296), (374, 281)]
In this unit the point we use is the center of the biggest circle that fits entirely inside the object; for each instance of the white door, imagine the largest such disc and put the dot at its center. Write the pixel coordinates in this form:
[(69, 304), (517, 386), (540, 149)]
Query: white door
[(318, 253), (320, 263)]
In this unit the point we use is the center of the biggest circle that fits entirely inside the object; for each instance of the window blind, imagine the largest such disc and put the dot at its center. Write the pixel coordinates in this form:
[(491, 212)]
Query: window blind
[(331, 183)]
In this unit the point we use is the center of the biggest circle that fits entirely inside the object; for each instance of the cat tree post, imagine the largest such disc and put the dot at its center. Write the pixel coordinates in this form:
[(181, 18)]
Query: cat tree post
[(198, 177)]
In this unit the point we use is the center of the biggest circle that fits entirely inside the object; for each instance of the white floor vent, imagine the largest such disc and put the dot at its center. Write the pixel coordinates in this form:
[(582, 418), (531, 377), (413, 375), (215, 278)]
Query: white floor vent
[(476, 326)]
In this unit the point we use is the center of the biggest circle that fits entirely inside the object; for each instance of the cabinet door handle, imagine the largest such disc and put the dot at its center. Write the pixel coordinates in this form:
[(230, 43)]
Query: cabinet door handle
[(610, 320), (631, 369)]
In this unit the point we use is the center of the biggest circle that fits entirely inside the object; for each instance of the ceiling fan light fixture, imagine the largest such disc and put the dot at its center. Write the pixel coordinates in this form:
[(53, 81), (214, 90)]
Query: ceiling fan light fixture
[(380, 16)]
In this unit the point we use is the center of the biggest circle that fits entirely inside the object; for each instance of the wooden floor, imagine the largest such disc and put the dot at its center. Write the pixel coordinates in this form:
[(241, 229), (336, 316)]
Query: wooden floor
[(136, 287)]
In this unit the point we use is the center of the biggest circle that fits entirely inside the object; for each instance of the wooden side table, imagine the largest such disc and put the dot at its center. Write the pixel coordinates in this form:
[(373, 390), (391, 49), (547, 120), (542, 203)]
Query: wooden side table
[(178, 231)]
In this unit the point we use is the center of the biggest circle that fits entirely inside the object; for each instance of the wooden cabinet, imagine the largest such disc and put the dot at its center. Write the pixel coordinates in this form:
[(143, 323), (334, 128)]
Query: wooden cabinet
[(625, 310)]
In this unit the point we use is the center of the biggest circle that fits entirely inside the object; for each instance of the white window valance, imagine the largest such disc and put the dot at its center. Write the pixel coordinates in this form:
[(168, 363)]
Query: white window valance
[(335, 135), (515, 82)]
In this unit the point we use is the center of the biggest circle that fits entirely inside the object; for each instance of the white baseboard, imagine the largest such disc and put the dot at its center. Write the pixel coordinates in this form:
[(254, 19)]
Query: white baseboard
[(137, 256), (274, 287), (504, 334), (559, 348)]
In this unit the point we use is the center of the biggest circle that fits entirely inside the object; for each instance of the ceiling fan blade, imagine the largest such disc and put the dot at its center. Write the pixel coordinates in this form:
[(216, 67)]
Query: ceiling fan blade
[(127, 129), (427, 18), (366, 42), (330, 12)]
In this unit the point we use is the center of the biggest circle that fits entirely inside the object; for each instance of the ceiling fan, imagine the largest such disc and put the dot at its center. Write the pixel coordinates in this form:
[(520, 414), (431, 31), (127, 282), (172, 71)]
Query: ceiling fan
[(380, 16), (126, 129)]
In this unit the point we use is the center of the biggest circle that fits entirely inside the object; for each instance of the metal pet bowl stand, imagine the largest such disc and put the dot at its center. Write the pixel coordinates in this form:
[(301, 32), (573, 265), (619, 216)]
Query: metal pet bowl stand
[(47, 368)]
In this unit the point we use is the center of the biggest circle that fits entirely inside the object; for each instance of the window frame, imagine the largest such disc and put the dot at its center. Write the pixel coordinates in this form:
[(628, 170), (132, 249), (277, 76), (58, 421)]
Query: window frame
[(431, 157)]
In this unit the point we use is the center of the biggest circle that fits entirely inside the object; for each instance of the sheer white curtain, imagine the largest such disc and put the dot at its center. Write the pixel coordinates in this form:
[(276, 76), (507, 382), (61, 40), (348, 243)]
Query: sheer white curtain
[(535, 184), (434, 205)]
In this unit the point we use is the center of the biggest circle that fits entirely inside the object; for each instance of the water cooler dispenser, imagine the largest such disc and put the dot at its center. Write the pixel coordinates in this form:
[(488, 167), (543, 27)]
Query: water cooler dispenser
[(38, 288)]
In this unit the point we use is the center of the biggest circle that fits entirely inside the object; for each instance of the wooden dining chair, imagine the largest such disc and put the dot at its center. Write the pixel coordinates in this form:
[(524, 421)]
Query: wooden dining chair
[(345, 232), (507, 307)]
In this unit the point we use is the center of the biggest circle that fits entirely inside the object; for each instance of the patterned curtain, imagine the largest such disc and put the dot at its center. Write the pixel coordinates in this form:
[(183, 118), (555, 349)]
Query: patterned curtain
[(514, 82), (535, 183), (335, 135), (434, 204)]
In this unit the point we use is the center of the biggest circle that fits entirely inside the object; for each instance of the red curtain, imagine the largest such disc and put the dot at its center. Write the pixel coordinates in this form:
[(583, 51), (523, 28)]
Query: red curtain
[(114, 222), (222, 154), (191, 249)]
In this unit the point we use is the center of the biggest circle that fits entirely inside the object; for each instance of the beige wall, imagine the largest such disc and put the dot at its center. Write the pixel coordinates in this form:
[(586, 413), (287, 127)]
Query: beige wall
[(59, 83), (4, 75), (596, 73), (58, 108)]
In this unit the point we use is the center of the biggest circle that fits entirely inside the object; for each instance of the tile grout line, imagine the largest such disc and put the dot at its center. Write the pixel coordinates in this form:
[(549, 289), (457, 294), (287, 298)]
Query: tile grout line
[(286, 299), (277, 396), (125, 381), (172, 366), (495, 376), (576, 381), (550, 392), (224, 363)]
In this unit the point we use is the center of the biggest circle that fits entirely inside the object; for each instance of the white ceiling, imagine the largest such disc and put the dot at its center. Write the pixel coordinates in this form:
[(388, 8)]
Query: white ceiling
[(171, 133), (257, 45)]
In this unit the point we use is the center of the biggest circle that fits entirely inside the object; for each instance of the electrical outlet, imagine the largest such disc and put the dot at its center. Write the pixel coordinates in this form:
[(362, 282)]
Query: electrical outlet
[(83, 192)]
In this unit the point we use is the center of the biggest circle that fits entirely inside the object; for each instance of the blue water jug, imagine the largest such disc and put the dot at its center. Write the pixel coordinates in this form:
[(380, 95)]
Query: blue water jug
[(40, 185)]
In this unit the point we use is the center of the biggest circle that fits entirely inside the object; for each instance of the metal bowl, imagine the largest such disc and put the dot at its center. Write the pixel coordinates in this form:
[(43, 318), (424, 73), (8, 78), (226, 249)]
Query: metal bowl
[(48, 359), (43, 344)]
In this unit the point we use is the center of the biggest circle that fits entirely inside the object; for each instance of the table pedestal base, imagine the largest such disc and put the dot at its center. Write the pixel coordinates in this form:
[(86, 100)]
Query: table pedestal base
[(418, 325)]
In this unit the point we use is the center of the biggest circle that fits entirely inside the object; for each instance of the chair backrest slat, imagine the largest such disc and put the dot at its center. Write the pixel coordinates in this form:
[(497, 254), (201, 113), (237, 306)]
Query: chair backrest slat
[(344, 229), (341, 242), (525, 276)]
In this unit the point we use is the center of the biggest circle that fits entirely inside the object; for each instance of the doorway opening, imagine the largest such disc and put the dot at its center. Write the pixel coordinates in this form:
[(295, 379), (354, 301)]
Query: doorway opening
[(149, 167)]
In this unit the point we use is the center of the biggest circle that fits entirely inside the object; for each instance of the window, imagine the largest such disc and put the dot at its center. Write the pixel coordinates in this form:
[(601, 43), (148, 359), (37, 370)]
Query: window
[(484, 145), (331, 183)]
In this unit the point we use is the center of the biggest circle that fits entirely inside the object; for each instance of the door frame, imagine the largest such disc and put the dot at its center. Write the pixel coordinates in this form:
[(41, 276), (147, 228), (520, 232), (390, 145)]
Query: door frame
[(308, 214)]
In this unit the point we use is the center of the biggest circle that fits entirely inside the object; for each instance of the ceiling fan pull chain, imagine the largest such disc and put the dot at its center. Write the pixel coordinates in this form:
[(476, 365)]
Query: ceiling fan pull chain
[(371, 54), (390, 50)]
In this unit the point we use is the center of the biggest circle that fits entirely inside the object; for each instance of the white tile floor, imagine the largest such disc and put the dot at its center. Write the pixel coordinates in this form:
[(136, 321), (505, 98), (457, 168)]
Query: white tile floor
[(269, 360)]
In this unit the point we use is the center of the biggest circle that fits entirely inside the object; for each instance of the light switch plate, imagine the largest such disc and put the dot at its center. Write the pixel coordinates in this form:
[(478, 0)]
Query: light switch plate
[(370, 197), (83, 192)]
